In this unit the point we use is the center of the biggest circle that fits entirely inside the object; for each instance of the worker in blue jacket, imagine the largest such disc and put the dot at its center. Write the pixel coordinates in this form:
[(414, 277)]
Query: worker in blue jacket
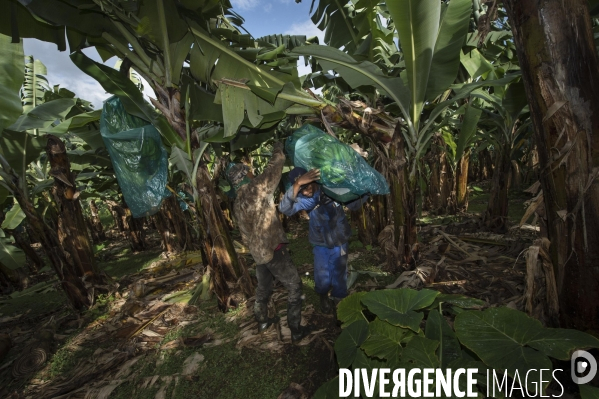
[(329, 232)]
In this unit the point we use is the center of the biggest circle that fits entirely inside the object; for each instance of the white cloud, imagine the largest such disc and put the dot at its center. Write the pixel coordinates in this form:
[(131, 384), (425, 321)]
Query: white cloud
[(268, 7), (62, 71), (306, 28), (88, 89), (244, 4)]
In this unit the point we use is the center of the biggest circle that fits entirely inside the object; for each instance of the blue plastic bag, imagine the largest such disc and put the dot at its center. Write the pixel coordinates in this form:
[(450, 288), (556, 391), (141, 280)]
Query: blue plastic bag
[(344, 174), (138, 157)]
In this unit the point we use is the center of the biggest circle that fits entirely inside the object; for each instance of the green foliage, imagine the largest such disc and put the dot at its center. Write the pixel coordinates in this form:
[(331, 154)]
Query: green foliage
[(10, 256), (12, 66), (14, 217), (383, 329)]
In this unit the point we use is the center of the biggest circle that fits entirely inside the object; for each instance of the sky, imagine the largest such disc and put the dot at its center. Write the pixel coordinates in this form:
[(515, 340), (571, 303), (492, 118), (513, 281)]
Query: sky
[(262, 17)]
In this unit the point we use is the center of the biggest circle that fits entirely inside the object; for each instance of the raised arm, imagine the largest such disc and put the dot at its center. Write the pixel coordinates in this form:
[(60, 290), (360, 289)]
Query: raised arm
[(269, 179), (291, 204)]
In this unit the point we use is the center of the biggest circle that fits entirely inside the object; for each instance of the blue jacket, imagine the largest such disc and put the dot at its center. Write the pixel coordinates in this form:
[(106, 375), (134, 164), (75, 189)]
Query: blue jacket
[(328, 225)]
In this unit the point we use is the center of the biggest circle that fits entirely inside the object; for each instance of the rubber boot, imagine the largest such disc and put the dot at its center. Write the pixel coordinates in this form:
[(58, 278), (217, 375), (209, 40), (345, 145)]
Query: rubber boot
[(294, 319), (261, 314), (326, 305)]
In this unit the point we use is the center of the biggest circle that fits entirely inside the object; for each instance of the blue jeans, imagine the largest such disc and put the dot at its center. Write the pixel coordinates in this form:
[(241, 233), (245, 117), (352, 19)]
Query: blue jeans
[(330, 270)]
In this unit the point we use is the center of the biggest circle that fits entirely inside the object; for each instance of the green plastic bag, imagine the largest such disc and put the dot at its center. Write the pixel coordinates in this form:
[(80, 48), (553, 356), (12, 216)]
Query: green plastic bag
[(138, 157), (344, 174)]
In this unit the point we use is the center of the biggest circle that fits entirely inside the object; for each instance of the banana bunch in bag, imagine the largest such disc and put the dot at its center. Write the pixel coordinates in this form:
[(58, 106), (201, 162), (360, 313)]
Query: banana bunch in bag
[(344, 174)]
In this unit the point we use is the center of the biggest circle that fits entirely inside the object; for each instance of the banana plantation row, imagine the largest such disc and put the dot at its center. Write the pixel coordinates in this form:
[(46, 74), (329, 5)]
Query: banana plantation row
[(440, 94)]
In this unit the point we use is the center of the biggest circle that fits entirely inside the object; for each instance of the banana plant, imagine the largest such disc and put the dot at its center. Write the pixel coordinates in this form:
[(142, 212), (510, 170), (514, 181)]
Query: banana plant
[(35, 84), (431, 35), (506, 128)]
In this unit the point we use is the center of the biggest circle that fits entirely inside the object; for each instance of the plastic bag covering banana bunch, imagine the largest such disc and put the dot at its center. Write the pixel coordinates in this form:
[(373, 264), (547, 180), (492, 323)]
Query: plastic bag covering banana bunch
[(139, 159), (344, 174)]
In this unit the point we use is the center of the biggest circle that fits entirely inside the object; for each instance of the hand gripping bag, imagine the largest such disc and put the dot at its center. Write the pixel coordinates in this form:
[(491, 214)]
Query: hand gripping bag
[(344, 174)]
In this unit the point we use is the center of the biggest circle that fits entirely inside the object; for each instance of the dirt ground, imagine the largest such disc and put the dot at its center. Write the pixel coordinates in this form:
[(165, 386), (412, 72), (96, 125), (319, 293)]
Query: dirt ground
[(144, 341)]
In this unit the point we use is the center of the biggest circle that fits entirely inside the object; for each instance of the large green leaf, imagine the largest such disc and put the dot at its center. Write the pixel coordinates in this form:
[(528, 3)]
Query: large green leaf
[(330, 390), (91, 21), (333, 17), (76, 121), (16, 18), (588, 392), (349, 341), (181, 160), (515, 99), (384, 340), (202, 103), (417, 24), (506, 339), (438, 329), (179, 52), (350, 309), (3, 194), (44, 115), (367, 366), (559, 343), (12, 66), (446, 57), (358, 74), (120, 85), (14, 217), (90, 135), (11, 256), (475, 64), (35, 85), (420, 353), (20, 149), (233, 107), (468, 130), (398, 306), (211, 60), (459, 300)]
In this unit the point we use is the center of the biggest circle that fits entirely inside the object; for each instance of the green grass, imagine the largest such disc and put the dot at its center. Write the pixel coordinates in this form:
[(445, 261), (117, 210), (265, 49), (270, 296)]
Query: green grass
[(105, 217), (35, 304), (66, 359), (225, 372), (129, 263), (478, 202)]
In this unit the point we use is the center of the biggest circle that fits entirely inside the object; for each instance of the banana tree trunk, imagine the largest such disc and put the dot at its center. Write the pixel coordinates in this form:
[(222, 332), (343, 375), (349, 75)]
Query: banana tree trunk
[(363, 220), (116, 211), (462, 181), (16, 279), (379, 210), (21, 242), (72, 231), (216, 239), (76, 291), (131, 227), (446, 200), (134, 227), (497, 210), (97, 229), (559, 63), (403, 195), (434, 186), (176, 218), (162, 225)]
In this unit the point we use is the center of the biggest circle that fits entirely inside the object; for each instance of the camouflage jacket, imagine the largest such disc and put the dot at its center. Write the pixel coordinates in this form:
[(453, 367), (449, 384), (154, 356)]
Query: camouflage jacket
[(256, 214)]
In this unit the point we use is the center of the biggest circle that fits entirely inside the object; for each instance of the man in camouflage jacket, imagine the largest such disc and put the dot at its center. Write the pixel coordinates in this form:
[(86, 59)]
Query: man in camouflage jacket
[(261, 230)]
